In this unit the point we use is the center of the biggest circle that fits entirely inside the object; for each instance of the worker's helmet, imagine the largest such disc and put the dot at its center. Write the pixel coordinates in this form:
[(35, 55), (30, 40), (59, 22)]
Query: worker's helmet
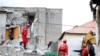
[(84, 45), (64, 41), (27, 25)]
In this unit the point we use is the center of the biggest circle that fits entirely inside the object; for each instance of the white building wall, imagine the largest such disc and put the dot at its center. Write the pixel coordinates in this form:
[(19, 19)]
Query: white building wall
[(74, 43)]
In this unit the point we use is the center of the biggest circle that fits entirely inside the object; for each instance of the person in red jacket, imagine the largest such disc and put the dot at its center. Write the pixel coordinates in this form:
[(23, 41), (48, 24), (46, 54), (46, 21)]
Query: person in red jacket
[(84, 50), (63, 49), (24, 35)]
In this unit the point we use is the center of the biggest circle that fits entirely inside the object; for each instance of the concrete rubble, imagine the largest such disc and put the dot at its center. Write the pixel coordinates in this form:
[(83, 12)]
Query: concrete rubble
[(12, 48)]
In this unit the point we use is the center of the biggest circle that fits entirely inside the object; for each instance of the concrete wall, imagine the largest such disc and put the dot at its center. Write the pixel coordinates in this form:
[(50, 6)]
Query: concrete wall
[(2, 26), (54, 24), (41, 26)]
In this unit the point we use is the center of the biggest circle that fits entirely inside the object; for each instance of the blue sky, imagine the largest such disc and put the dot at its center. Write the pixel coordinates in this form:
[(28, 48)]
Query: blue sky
[(75, 12)]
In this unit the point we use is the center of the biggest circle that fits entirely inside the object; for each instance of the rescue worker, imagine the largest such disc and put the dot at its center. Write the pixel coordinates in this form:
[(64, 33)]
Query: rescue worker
[(63, 49), (84, 50), (24, 35)]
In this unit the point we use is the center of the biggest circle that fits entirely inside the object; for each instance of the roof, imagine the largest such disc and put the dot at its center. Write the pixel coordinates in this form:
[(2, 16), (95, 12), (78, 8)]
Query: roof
[(83, 29)]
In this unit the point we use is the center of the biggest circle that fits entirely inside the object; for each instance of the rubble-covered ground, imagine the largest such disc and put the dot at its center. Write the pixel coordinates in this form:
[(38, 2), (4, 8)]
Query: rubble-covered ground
[(12, 48)]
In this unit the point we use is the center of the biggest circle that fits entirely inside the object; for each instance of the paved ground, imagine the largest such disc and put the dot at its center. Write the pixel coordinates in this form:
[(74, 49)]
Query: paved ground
[(31, 54)]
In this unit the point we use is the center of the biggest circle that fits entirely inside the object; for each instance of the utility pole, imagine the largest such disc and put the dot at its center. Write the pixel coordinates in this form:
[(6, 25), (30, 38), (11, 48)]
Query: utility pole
[(98, 30), (96, 16)]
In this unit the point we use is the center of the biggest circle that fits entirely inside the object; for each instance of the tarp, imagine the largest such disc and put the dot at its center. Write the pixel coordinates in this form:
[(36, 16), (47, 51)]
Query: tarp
[(89, 37)]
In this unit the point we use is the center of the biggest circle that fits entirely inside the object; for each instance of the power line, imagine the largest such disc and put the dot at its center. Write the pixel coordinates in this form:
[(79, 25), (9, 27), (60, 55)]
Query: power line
[(65, 25)]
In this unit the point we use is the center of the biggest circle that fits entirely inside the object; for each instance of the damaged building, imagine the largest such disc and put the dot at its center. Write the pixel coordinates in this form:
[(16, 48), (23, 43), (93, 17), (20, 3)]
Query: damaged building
[(46, 24)]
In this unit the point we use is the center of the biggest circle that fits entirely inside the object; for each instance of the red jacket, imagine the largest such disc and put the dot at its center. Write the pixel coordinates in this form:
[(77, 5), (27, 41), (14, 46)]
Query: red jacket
[(85, 52), (63, 49), (24, 35)]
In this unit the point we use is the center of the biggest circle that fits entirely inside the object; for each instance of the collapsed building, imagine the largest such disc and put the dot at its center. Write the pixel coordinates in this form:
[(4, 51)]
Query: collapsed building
[(46, 24)]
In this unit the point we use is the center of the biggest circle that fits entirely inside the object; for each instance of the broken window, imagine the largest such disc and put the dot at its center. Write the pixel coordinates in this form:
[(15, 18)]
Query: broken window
[(31, 17)]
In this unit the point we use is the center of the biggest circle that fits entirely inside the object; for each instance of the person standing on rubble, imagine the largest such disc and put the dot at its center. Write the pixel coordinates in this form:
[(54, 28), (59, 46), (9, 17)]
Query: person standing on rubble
[(24, 35), (63, 49)]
